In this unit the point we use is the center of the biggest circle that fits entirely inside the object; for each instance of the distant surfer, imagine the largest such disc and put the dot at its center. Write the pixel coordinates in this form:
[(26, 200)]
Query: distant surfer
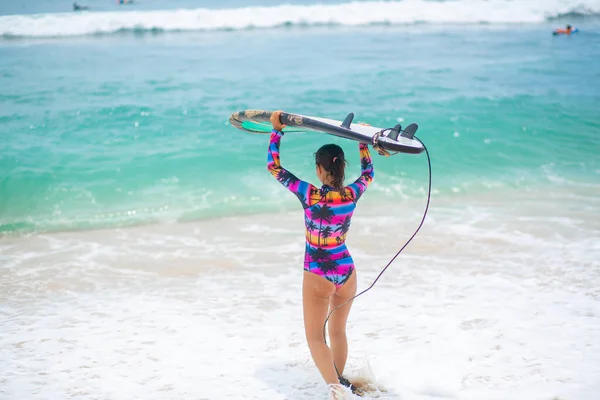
[(77, 7), (329, 275), (125, 1), (567, 31)]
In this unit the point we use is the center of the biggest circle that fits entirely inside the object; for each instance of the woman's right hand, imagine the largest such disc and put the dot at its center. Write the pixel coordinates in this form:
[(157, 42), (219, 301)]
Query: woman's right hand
[(276, 121)]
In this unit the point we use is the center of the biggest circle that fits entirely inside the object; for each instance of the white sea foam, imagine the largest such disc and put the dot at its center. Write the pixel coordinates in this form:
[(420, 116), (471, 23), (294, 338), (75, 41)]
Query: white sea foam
[(491, 301), (350, 14)]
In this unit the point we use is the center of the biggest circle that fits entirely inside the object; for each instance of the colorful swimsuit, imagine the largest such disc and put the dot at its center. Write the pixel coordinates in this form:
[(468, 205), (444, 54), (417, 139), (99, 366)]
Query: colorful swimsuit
[(327, 215)]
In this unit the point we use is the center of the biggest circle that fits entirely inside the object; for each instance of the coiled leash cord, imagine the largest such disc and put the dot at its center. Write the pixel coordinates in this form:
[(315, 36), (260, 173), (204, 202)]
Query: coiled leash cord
[(385, 153)]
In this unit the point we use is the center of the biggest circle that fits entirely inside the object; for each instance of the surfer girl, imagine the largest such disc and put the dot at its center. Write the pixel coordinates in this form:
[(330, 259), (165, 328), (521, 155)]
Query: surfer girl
[(329, 275)]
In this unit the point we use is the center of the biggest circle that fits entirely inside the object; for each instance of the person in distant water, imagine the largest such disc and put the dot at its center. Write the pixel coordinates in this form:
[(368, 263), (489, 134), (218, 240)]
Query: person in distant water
[(124, 1), (77, 7), (567, 31), (329, 274)]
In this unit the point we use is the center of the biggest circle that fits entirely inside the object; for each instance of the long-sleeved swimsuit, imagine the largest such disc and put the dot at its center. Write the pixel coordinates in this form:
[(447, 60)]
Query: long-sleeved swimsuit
[(327, 214)]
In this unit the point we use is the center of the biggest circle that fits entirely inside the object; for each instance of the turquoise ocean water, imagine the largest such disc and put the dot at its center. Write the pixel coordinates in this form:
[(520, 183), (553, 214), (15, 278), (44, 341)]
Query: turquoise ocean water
[(119, 116), (120, 278)]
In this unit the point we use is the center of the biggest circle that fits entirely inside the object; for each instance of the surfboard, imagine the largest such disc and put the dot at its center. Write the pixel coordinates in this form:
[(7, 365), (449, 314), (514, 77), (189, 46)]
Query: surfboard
[(391, 139)]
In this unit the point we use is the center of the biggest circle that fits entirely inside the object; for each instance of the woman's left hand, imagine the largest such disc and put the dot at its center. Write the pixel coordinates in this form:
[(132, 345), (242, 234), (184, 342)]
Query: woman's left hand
[(276, 121)]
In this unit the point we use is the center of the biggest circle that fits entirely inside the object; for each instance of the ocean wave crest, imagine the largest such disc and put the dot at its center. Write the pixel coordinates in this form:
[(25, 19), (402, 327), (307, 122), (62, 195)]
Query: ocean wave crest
[(346, 14)]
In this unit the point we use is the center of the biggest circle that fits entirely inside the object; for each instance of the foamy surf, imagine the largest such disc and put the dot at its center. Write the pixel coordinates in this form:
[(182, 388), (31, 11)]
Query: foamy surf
[(361, 375), (479, 307), (346, 14)]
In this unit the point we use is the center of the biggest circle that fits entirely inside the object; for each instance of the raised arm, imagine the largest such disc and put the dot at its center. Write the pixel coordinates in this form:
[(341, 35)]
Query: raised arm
[(366, 176), (300, 188)]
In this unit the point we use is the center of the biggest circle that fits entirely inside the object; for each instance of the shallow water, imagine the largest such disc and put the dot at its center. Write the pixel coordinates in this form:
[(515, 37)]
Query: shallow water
[(212, 309)]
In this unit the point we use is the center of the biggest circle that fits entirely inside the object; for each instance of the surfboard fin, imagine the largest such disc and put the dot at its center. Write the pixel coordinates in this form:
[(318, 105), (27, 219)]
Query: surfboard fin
[(395, 132), (347, 121), (409, 131)]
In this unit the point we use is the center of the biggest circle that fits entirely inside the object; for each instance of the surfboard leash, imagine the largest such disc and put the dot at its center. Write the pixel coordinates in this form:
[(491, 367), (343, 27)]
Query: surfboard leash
[(377, 147), (342, 379)]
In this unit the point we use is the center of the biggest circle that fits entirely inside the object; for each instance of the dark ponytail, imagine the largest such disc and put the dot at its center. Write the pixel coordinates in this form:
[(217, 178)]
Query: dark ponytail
[(331, 158)]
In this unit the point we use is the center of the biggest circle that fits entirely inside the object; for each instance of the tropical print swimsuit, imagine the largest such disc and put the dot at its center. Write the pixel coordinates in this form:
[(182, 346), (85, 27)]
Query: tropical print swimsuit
[(327, 214)]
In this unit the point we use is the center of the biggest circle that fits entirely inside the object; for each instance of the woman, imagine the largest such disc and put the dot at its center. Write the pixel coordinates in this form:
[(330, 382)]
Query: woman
[(329, 276)]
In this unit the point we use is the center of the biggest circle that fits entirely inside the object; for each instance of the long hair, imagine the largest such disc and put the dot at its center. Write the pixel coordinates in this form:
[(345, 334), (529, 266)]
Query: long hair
[(331, 158)]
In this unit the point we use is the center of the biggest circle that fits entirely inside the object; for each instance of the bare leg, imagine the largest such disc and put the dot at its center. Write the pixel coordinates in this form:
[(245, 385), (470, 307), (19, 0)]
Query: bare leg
[(316, 292), (337, 322)]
